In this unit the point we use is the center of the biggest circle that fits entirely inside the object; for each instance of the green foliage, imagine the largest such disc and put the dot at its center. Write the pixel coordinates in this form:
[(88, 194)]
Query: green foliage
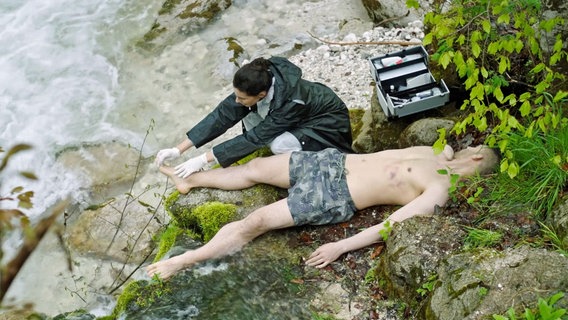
[(207, 218), (412, 4), (482, 291), (170, 200), (212, 216), (552, 237), (372, 274), (546, 310), (494, 46), (142, 293), (481, 238), (167, 240), (455, 183), (428, 286), (543, 159), (386, 230)]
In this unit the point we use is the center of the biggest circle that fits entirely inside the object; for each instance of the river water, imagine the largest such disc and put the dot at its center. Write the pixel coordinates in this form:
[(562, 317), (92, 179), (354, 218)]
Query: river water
[(70, 75)]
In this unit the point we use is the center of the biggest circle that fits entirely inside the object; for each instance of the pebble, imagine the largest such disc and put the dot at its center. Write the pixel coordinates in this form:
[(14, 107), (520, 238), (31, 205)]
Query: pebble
[(346, 68)]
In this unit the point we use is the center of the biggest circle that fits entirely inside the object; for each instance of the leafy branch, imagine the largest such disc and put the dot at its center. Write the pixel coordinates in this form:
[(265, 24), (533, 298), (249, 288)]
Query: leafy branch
[(507, 56)]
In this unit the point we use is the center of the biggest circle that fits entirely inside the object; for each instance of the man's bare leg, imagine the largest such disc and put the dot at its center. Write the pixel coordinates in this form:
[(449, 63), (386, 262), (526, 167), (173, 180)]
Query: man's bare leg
[(273, 170), (230, 238)]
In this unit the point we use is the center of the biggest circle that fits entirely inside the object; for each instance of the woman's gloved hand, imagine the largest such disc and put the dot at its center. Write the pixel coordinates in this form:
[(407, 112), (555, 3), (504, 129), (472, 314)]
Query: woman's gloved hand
[(166, 154), (190, 166)]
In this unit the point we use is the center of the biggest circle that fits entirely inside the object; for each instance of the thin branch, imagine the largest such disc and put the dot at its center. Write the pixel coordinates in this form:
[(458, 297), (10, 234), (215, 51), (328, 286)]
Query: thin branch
[(393, 42), (30, 244), (127, 203)]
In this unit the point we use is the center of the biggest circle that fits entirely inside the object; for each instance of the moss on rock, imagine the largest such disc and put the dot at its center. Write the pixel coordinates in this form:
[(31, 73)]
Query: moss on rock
[(167, 240), (212, 216)]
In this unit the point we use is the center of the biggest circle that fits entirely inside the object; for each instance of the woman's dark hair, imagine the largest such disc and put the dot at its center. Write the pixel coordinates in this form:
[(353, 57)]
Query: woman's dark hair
[(253, 77)]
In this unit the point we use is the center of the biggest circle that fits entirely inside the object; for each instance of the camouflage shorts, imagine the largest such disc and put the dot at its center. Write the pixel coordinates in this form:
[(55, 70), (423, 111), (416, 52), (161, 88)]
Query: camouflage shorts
[(318, 193)]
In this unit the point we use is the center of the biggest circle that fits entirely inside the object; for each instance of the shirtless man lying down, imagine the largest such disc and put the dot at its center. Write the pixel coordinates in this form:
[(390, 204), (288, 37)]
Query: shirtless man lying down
[(329, 187)]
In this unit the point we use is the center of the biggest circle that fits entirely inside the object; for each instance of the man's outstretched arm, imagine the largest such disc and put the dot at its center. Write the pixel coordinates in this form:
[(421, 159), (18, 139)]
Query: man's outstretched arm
[(423, 204)]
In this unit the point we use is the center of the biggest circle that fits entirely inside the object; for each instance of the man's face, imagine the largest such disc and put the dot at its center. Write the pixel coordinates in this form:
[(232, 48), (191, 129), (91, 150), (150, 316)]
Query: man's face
[(246, 100)]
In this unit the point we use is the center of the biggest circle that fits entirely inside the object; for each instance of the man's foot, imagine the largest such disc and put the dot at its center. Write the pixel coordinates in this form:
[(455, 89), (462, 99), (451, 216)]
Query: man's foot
[(181, 185), (166, 268)]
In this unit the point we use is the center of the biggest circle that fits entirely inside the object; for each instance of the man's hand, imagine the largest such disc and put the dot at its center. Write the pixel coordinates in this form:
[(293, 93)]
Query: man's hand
[(325, 255), (190, 166), (166, 154)]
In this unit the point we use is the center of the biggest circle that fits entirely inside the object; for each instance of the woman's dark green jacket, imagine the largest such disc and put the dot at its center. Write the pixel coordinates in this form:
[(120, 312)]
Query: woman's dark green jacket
[(309, 110)]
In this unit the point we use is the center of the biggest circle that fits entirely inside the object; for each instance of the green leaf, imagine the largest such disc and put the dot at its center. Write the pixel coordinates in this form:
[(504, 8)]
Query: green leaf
[(498, 94), (560, 95), (558, 45), (412, 4), (512, 122), (477, 92), (484, 72), (519, 45), (535, 46), (525, 96), (541, 87), (504, 165), (512, 98), (513, 170), (504, 18), (28, 175), (509, 45), (427, 39), (475, 49), (503, 64), (538, 68), (555, 58), (445, 59), (525, 108), (486, 25)]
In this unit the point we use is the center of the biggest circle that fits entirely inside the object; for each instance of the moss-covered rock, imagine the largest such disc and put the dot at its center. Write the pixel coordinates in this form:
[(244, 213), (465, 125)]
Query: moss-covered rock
[(208, 218), (179, 18), (476, 285)]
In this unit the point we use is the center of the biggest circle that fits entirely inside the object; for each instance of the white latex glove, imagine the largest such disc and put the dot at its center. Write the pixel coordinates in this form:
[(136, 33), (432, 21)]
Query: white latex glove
[(190, 166), (167, 154)]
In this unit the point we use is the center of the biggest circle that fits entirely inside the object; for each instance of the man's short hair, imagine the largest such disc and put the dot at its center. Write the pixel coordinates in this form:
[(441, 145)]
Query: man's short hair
[(491, 159)]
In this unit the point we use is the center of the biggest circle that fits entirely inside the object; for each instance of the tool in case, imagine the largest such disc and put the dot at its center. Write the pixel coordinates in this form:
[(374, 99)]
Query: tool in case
[(404, 83)]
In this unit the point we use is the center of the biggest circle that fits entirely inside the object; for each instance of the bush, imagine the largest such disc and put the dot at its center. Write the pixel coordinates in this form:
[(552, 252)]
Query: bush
[(499, 50)]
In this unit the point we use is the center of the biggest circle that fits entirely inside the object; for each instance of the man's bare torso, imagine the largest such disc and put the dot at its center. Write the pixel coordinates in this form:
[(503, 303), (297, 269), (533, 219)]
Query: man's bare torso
[(394, 176)]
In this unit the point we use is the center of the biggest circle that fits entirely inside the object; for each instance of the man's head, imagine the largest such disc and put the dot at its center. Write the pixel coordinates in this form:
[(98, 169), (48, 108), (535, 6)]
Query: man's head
[(485, 159)]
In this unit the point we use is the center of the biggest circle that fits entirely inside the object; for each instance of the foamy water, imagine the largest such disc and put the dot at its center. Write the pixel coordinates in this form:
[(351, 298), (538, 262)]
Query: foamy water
[(59, 83)]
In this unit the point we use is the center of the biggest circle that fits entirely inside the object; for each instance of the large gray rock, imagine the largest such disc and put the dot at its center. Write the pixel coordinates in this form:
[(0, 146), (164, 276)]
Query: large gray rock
[(415, 249), (121, 230), (107, 168), (377, 132), (424, 132), (246, 200), (476, 285)]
